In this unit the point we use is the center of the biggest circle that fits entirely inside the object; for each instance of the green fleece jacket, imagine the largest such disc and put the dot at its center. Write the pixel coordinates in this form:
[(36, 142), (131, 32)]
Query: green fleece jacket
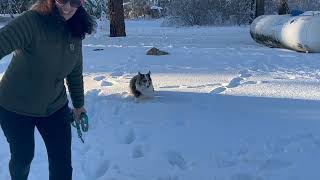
[(44, 56)]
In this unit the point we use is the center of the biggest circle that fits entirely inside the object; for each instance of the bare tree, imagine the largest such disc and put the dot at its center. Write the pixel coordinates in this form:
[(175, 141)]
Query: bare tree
[(259, 7), (283, 7), (116, 14)]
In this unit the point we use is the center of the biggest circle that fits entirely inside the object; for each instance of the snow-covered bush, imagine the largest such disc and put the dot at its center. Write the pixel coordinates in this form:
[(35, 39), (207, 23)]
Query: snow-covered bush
[(14, 6), (97, 8)]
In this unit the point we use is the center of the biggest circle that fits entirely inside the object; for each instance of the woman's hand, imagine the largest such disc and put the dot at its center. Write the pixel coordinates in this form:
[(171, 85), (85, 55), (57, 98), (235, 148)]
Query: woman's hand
[(77, 112)]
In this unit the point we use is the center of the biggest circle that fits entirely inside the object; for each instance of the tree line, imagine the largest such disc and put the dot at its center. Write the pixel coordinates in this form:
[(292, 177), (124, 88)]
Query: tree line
[(183, 12)]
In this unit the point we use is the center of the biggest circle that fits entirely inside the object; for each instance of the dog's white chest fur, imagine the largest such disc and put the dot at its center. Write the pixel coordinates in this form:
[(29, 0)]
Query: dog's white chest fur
[(145, 91)]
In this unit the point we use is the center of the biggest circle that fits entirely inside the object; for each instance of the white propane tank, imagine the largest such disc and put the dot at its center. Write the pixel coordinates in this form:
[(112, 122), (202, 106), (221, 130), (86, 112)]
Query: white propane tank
[(300, 33)]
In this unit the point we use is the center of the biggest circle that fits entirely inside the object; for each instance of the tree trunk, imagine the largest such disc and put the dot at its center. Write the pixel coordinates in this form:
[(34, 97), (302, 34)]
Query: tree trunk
[(116, 14), (252, 11), (283, 7), (259, 7)]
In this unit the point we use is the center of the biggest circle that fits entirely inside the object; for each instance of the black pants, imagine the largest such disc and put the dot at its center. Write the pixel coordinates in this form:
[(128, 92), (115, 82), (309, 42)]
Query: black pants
[(56, 133)]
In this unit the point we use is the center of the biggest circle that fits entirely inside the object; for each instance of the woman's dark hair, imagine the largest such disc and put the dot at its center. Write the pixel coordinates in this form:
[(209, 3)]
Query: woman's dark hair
[(79, 25)]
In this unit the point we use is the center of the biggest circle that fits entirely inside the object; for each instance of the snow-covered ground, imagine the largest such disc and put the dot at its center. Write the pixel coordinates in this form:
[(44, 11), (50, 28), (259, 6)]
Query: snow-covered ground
[(225, 108)]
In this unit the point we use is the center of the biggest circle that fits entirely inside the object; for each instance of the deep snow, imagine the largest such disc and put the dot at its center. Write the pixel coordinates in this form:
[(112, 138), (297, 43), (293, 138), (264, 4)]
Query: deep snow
[(225, 108)]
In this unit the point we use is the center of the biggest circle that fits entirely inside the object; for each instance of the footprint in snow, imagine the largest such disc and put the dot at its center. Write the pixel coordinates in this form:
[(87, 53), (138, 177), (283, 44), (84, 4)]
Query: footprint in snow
[(235, 82), (117, 72), (83, 150), (138, 152), (106, 83), (252, 82), (96, 170), (93, 93), (176, 159), (274, 164), (218, 90), (225, 163), (126, 136), (99, 78), (98, 49), (244, 74)]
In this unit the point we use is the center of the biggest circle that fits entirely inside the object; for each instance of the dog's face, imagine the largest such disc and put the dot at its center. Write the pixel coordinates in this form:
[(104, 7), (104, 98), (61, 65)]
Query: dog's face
[(144, 80)]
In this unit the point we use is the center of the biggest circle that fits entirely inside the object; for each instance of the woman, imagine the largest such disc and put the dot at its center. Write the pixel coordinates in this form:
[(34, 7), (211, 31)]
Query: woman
[(46, 41)]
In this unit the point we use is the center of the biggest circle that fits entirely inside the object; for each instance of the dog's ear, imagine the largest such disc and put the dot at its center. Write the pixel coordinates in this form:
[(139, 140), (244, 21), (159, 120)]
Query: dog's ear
[(149, 75)]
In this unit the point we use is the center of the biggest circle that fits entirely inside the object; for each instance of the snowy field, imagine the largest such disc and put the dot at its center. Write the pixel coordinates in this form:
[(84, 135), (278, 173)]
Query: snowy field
[(225, 108)]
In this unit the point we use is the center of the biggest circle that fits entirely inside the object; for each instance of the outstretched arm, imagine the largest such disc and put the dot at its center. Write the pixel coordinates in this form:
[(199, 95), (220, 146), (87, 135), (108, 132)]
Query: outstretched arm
[(18, 33)]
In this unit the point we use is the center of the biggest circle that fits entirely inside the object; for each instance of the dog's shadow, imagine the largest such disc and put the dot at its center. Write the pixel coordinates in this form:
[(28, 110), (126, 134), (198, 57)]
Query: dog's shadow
[(157, 97)]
